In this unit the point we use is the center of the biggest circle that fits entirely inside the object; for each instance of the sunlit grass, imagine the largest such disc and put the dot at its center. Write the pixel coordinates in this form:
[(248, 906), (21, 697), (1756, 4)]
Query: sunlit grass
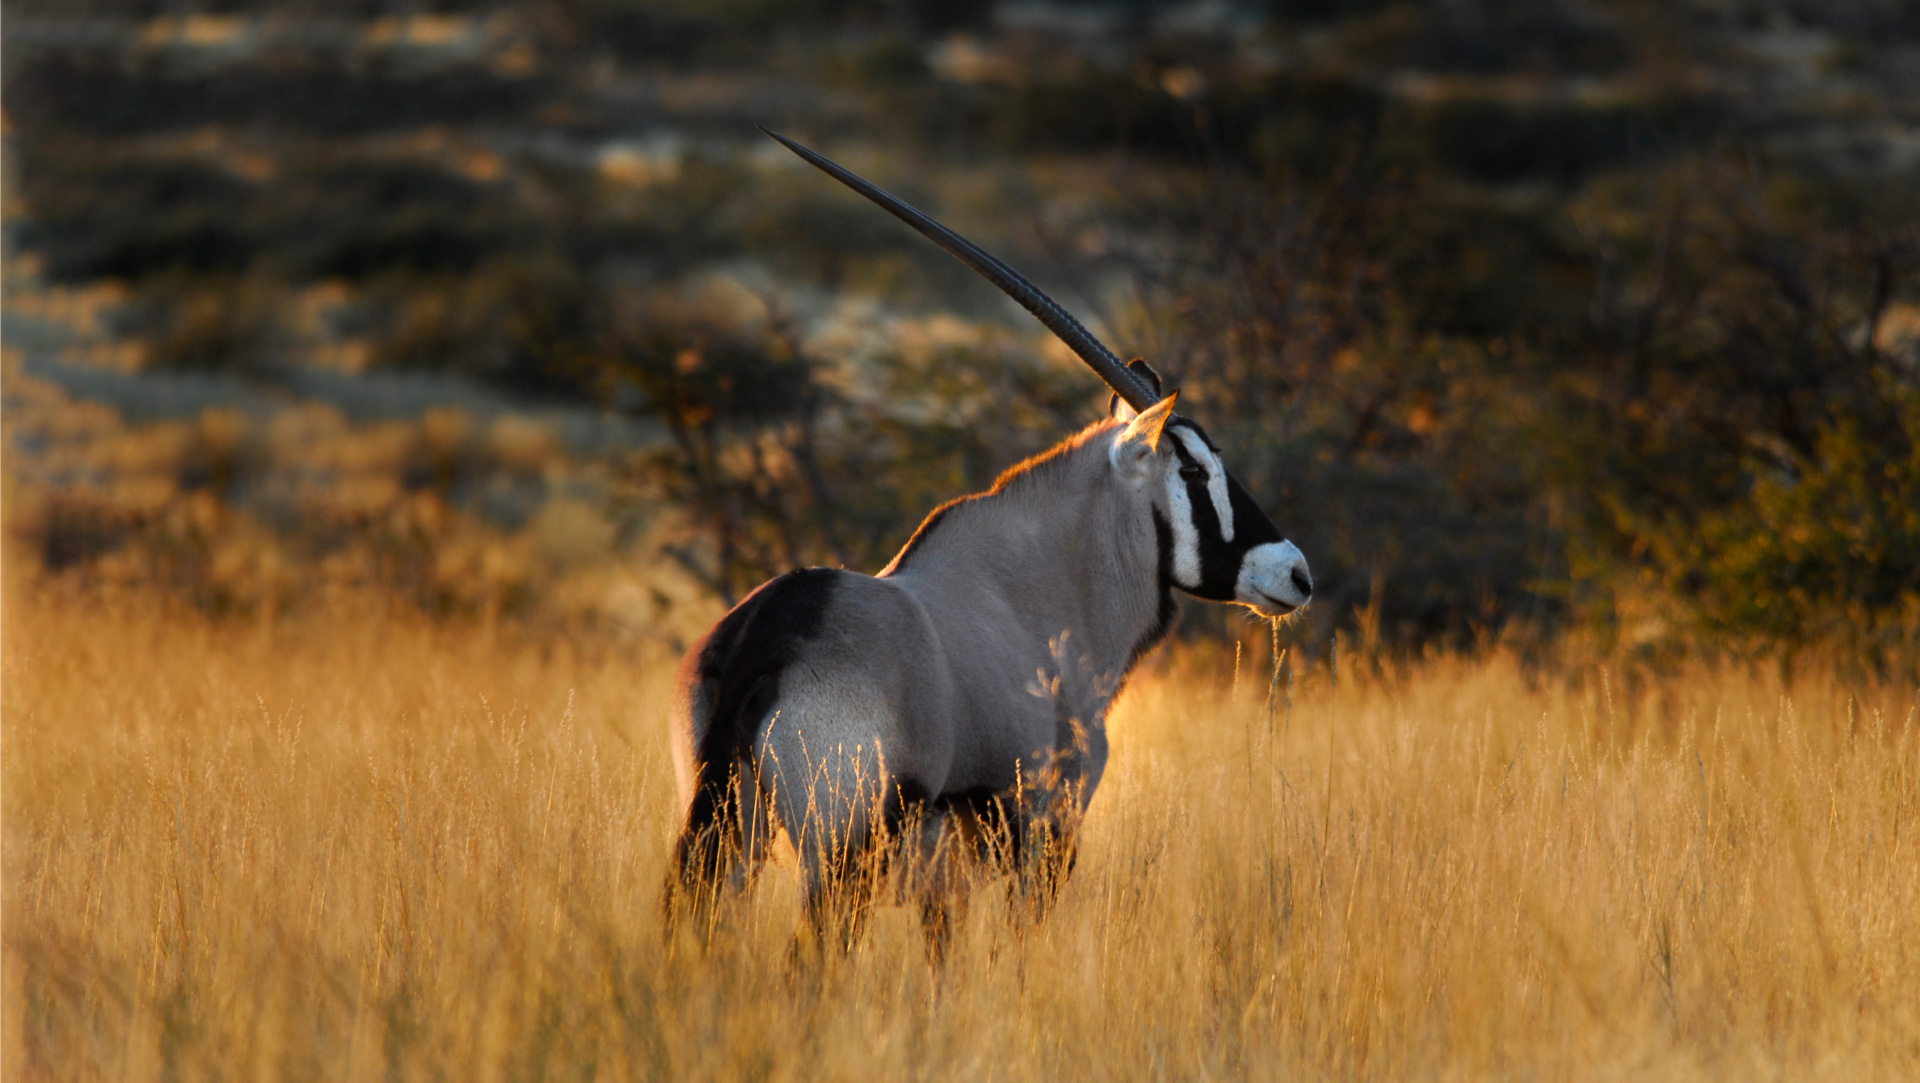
[(363, 845)]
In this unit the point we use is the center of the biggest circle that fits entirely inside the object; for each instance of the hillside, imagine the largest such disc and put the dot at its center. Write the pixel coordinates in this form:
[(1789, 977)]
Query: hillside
[(1544, 316)]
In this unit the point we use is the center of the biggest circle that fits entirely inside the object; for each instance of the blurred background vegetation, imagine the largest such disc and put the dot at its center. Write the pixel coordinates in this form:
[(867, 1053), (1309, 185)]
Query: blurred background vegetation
[(1550, 320)]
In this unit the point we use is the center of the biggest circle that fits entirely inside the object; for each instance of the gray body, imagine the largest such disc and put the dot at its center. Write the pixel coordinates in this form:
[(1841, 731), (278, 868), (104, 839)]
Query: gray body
[(969, 681), (981, 662)]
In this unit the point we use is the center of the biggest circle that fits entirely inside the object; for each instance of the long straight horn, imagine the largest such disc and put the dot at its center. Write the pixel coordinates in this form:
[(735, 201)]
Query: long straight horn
[(1058, 320)]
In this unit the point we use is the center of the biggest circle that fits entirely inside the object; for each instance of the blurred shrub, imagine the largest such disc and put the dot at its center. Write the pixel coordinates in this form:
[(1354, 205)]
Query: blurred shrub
[(242, 515), (100, 95), (1488, 38), (1830, 547), (1499, 142), (1522, 317), (1747, 433), (1666, 396)]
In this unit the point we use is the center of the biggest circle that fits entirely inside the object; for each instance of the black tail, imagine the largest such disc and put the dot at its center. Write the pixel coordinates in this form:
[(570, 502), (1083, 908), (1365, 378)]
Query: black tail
[(738, 667), (712, 833)]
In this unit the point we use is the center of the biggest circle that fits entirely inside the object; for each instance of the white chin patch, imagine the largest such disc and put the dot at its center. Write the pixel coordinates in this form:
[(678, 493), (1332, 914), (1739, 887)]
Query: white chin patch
[(1266, 578)]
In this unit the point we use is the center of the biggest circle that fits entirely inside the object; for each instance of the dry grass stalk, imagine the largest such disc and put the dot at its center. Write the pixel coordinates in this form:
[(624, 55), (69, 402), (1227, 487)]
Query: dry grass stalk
[(374, 847)]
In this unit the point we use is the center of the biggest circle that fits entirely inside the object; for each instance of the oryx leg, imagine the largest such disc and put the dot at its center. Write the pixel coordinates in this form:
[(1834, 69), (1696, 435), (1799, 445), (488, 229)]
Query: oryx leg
[(830, 785), (1044, 833), (958, 835), (1044, 856), (962, 835), (1053, 795)]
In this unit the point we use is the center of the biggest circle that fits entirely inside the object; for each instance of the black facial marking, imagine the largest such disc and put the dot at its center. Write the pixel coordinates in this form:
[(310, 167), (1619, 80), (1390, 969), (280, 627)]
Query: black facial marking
[(738, 667), (1220, 559), (1251, 526), (1194, 428)]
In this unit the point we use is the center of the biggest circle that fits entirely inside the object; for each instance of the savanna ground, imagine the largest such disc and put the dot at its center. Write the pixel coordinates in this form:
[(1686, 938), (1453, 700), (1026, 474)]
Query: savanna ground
[(368, 845)]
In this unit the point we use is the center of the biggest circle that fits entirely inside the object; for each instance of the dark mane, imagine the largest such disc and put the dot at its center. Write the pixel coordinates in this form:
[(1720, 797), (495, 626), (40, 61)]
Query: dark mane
[(1019, 475)]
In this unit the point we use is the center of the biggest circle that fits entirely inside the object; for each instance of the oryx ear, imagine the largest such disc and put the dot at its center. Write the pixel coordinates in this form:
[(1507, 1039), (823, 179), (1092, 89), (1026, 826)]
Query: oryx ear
[(1139, 367), (1134, 445)]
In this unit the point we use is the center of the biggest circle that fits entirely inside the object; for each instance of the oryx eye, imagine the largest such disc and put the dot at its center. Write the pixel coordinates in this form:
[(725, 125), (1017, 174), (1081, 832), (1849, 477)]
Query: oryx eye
[(1193, 472)]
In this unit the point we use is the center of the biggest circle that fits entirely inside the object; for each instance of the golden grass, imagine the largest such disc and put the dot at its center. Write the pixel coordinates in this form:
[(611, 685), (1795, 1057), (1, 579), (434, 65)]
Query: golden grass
[(357, 848)]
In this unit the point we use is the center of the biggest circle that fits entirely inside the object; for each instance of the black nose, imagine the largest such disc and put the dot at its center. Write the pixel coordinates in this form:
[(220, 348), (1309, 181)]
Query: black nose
[(1301, 583)]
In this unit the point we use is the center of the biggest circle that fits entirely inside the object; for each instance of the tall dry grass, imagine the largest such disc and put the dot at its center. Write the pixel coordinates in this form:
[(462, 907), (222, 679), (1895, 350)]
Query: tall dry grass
[(373, 847)]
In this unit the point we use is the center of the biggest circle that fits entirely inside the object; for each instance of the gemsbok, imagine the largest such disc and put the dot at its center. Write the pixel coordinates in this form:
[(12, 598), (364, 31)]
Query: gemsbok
[(957, 701)]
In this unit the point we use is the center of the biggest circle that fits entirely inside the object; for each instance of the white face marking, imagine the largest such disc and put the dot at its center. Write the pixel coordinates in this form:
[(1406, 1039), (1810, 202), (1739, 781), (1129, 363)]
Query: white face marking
[(1186, 538), (1216, 478)]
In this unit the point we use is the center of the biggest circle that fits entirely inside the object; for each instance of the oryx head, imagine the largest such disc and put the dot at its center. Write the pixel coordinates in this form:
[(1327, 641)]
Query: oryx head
[(1223, 546)]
